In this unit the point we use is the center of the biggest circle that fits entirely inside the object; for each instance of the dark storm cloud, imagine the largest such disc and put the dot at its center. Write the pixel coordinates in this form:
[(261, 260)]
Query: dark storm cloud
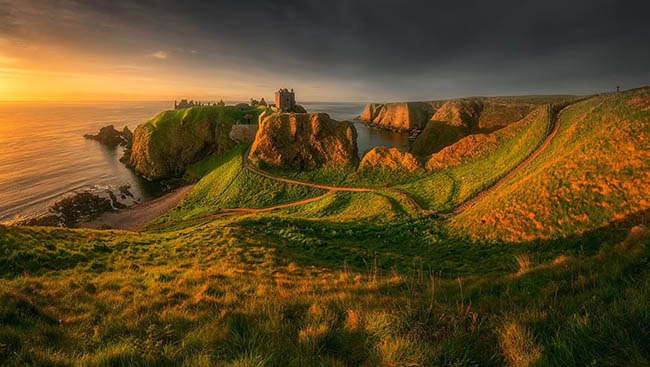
[(415, 49)]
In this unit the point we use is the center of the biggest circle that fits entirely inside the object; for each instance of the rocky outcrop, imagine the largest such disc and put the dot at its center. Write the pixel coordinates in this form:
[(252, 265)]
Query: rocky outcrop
[(80, 207), (243, 133), (459, 118), (128, 136), (496, 115), (389, 158), (304, 141), (452, 121), (400, 116), (111, 137), (166, 145)]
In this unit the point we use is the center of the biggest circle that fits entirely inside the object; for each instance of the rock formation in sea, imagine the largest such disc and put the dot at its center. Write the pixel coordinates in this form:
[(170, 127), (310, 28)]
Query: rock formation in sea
[(109, 136), (304, 141), (80, 207)]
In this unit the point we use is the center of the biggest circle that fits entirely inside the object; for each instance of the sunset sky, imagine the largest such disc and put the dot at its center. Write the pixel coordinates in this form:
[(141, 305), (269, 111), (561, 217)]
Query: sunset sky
[(327, 50)]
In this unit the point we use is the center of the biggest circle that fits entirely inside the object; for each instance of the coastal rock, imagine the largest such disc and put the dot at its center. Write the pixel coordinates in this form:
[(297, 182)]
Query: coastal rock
[(389, 158), (459, 118), (111, 137), (166, 145), (452, 121), (304, 141), (74, 209), (299, 109), (400, 116), (128, 136)]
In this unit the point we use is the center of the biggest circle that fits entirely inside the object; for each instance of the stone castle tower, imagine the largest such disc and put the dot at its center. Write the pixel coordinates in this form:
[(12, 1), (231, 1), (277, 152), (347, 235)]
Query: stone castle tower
[(285, 101)]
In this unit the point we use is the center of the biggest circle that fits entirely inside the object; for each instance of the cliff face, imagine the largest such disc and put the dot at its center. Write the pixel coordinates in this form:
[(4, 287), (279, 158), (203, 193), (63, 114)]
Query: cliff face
[(389, 158), (400, 116), (459, 118), (166, 145), (451, 122), (304, 141)]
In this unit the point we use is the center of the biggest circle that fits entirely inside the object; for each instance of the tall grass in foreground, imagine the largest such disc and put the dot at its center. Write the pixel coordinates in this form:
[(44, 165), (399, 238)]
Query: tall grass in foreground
[(235, 303)]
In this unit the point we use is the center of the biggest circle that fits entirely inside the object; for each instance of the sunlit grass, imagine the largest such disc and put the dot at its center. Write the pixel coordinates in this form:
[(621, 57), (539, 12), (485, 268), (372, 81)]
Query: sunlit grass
[(596, 171)]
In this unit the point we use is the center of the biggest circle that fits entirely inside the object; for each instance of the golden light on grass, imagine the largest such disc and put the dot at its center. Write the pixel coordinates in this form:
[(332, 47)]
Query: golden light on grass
[(525, 262), (519, 346)]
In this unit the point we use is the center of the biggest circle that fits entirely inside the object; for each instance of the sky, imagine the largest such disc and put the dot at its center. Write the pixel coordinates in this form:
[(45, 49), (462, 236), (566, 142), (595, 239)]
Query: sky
[(327, 50)]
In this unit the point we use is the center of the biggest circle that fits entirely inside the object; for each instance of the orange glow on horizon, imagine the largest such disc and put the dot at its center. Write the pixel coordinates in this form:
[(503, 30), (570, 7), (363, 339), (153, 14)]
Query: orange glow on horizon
[(49, 73)]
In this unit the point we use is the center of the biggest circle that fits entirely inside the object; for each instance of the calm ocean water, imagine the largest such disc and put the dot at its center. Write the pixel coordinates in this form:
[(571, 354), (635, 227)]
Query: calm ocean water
[(43, 155)]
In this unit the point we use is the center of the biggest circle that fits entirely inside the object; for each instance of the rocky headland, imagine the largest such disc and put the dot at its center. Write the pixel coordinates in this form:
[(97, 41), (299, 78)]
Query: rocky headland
[(458, 118), (304, 141), (166, 145)]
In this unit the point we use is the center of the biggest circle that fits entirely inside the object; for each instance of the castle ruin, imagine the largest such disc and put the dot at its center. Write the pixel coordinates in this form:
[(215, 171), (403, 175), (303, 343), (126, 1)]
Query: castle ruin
[(285, 101), (187, 104)]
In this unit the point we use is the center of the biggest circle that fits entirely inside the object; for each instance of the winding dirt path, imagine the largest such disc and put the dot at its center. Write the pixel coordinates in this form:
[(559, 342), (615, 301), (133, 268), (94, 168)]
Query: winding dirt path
[(553, 128), (240, 211), (256, 170)]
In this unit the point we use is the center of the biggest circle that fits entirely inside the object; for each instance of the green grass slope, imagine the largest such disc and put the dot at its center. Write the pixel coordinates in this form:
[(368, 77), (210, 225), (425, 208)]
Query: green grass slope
[(229, 185), (596, 171), (226, 294), (448, 187), (458, 118)]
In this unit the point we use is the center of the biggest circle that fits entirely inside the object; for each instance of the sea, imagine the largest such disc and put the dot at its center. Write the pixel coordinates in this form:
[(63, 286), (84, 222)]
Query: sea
[(44, 156)]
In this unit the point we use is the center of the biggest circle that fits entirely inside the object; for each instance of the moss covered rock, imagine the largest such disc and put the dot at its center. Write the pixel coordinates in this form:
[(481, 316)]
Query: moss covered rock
[(166, 145)]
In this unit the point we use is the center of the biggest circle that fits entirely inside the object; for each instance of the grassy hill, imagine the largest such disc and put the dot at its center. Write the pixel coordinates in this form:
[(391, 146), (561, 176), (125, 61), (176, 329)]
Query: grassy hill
[(544, 271), (448, 187), (224, 295), (597, 170), (228, 184)]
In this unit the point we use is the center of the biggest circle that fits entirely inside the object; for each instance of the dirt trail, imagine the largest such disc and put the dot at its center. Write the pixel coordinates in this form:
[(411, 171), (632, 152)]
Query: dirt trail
[(240, 211), (554, 127), (255, 170)]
